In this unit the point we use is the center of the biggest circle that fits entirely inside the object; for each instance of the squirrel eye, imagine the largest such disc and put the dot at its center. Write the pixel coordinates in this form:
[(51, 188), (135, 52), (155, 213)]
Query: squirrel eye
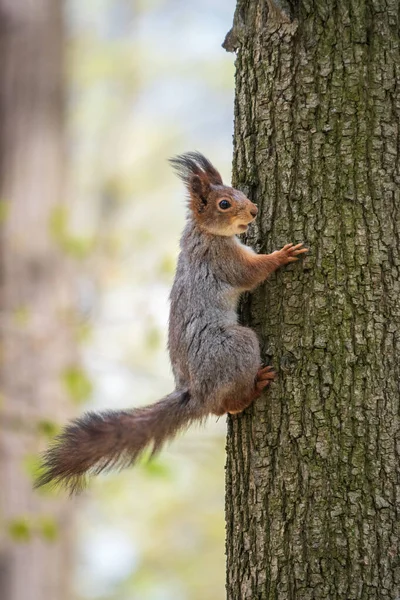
[(224, 204)]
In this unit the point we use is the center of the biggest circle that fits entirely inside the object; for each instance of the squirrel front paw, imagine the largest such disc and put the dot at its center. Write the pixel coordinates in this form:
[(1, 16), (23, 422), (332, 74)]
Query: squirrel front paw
[(290, 253)]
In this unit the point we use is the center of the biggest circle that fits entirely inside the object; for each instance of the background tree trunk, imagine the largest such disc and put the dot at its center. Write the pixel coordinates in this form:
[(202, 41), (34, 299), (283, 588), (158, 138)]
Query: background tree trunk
[(35, 298), (313, 467)]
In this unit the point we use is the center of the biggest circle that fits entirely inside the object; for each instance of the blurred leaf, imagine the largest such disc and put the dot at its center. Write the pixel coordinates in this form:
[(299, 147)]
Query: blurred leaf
[(31, 465), (153, 338), (110, 61), (21, 316), (83, 332), (78, 247), (4, 210), (20, 529), (77, 384), (58, 222), (48, 428), (167, 265), (142, 236), (23, 528), (48, 528), (156, 468)]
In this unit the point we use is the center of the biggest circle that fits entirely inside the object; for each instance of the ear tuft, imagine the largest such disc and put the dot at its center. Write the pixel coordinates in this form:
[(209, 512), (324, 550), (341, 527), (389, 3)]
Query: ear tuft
[(196, 186), (193, 163), (199, 189)]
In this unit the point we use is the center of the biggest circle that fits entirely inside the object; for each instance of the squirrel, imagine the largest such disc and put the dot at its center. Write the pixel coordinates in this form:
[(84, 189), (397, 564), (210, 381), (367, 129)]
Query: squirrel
[(215, 361)]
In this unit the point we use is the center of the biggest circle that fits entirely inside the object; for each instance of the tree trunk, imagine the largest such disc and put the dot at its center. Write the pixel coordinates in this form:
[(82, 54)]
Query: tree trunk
[(35, 298), (313, 485)]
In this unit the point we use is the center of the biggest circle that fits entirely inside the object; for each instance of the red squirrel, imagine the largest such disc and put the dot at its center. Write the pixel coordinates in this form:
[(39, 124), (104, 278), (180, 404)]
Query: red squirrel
[(216, 362)]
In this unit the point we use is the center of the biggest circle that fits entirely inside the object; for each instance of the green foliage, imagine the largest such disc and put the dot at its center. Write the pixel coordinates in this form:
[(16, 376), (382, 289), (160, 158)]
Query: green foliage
[(48, 528), (58, 222), (167, 265), (156, 467), (31, 466), (20, 530), (77, 384), (21, 316), (4, 210), (78, 247), (47, 428), (83, 332), (153, 338)]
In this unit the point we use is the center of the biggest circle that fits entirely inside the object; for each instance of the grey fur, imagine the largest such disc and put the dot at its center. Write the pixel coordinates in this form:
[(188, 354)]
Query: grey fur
[(210, 353), (214, 359)]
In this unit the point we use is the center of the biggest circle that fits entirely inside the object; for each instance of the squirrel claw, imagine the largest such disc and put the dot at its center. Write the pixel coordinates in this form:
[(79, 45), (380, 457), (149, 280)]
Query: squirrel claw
[(289, 253), (265, 376)]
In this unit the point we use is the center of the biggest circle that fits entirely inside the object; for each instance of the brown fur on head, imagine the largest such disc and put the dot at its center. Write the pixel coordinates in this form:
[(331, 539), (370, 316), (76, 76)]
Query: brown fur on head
[(217, 208)]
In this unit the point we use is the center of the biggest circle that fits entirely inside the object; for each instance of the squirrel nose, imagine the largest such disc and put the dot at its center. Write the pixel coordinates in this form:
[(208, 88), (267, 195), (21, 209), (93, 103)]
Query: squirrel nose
[(254, 211)]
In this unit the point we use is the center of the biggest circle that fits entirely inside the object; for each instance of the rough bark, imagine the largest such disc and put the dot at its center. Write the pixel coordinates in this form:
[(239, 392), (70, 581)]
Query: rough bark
[(35, 298), (312, 504)]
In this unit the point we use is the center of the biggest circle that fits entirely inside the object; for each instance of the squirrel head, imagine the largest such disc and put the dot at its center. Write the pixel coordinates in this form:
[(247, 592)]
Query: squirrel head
[(217, 208)]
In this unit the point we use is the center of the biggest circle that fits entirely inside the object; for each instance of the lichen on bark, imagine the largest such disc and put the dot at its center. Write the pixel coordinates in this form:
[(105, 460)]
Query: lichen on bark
[(313, 467)]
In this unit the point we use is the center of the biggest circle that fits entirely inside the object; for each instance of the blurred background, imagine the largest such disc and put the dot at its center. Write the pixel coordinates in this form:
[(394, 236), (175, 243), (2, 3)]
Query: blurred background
[(90, 219)]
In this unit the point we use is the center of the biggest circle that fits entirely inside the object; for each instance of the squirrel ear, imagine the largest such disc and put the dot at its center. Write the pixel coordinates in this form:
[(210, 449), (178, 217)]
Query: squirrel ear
[(199, 188)]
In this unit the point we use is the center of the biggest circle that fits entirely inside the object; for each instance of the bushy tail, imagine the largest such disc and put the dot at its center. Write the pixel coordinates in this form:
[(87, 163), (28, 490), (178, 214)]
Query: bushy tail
[(114, 439)]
